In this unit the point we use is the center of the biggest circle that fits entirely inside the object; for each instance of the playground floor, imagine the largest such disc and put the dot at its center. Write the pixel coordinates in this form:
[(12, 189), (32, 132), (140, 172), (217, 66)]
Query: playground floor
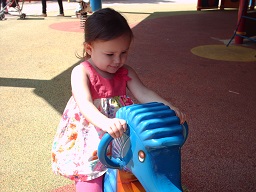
[(178, 51)]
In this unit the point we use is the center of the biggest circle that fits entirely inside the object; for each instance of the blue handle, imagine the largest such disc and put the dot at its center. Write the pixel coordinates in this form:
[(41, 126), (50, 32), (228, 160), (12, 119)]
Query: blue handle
[(102, 153)]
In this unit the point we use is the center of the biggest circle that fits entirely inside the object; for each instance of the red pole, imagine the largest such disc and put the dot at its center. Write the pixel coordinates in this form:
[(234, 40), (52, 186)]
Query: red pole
[(242, 11), (199, 5)]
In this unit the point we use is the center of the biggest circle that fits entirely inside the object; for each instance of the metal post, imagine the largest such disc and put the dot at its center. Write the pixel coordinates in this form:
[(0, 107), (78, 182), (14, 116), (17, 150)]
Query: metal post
[(242, 11), (95, 5)]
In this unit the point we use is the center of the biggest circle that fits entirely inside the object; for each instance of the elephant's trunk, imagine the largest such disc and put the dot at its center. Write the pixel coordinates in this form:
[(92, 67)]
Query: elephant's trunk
[(165, 176)]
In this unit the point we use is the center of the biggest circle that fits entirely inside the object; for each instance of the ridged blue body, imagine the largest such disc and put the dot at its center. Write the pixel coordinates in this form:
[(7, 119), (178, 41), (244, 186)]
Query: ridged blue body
[(156, 132)]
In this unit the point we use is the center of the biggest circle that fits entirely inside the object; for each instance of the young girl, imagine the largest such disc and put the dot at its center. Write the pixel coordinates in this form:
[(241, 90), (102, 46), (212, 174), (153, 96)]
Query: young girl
[(98, 90)]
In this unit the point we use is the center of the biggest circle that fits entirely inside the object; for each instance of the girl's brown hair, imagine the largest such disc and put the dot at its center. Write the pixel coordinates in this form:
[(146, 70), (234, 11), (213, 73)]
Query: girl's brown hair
[(105, 24)]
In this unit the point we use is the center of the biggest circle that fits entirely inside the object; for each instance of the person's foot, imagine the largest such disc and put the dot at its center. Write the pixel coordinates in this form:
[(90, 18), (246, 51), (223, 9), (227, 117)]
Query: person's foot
[(2, 16), (60, 15), (43, 15)]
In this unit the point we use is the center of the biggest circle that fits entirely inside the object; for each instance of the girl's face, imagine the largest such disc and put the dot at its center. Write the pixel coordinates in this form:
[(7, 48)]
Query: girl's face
[(109, 56)]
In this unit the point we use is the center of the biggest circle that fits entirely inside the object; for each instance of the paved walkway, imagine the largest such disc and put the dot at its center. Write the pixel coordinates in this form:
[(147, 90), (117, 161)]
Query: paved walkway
[(216, 90)]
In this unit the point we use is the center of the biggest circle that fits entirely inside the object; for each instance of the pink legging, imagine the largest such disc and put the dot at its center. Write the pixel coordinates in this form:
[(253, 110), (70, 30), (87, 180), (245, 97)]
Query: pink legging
[(94, 185)]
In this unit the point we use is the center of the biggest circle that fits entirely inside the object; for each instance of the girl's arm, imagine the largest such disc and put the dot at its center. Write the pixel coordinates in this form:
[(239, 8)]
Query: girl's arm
[(81, 93), (145, 95)]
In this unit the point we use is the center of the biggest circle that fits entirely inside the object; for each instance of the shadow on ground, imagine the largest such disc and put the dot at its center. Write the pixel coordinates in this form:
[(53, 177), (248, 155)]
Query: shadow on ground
[(56, 91)]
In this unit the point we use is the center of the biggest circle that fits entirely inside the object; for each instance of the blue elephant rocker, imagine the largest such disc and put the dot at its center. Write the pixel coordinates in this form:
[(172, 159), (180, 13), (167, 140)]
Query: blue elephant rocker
[(148, 155)]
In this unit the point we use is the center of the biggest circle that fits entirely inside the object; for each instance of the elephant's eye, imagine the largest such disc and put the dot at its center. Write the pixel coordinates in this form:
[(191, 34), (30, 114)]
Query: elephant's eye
[(142, 156)]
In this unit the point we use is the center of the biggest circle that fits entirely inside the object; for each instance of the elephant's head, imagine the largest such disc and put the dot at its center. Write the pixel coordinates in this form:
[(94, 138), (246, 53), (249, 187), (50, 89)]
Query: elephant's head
[(151, 148)]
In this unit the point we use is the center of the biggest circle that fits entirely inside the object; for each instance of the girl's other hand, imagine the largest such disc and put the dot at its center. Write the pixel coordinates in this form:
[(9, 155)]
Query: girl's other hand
[(179, 114), (115, 127)]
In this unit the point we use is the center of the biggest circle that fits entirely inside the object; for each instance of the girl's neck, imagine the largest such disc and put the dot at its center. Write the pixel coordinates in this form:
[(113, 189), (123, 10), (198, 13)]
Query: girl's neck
[(100, 72)]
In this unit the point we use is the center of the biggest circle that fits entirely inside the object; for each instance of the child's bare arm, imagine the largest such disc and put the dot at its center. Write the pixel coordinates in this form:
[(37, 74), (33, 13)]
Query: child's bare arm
[(145, 95)]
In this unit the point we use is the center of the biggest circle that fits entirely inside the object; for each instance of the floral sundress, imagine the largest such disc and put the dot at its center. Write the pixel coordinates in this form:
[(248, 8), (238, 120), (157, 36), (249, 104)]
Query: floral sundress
[(74, 150)]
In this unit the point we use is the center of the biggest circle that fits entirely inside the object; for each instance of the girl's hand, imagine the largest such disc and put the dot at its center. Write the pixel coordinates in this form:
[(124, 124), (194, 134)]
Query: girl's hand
[(115, 127), (179, 114)]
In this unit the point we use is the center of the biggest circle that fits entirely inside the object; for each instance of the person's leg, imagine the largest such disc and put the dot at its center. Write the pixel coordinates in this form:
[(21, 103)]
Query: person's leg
[(61, 6), (44, 6), (4, 5), (94, 185)]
